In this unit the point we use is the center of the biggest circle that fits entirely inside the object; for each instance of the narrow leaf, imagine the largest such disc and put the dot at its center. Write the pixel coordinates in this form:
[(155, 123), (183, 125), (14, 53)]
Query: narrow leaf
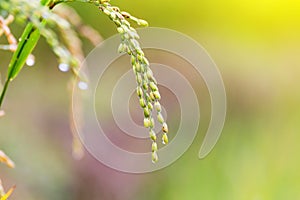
[(28, 41), (26, 45)]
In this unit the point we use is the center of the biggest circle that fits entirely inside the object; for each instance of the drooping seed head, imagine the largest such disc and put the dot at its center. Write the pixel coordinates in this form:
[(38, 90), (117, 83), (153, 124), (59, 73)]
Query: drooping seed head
[(134, 42), (142, 103), (126, 36), (156, 95), (147, 122), (139, 51), (104, 1), (165, 139), (145, 61), (125, 14), (146, 112), (139, 79), (120, 30), (138, 67), (115, 8), (149, 73), (139, 91), (148, 97), (157, 106), (154, 147), (142, 22), (152, 123), (165, 128), (140, 57), (135, 36), (106, 11), (152, 135), (112, 16), (153, 86), (122, 48), (143, 68), (154, 157), (145, 86), (133, 60), (160, 118), (125, 23), (150, 106), (152, 96), (154, 80)]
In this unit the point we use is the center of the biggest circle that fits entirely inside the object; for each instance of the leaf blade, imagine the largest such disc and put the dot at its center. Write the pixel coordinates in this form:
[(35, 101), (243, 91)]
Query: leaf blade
[(28, 41), (26, 45)]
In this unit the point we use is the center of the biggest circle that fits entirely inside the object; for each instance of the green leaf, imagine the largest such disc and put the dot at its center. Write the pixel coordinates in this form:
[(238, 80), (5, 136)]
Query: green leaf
[(26, 45)]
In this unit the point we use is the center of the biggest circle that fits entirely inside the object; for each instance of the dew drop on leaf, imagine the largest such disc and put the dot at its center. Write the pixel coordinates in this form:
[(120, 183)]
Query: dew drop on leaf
[(83, 85), (63, 67), (30, 60)]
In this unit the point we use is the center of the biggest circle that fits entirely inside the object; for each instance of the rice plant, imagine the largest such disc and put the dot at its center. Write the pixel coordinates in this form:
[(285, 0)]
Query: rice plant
[(42, 20)]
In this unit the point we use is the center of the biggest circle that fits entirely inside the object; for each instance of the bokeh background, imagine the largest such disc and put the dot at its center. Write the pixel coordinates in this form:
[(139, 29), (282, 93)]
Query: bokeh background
[(256, 46)]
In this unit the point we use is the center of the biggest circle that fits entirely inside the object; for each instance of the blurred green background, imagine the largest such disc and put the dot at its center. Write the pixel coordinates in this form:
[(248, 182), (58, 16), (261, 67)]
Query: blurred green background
[(256, 46)]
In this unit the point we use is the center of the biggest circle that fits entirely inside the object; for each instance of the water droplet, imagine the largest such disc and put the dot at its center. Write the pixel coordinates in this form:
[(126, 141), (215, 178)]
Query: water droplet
[(63, 67), (30, 60), (45, 15), (83, 85)]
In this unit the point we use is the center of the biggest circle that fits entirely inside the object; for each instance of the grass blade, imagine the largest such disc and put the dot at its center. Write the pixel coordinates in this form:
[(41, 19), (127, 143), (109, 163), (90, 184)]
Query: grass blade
[(28, 41), (26, 45)]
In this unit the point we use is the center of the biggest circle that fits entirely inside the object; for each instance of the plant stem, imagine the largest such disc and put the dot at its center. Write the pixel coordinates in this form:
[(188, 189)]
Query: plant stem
[(3, 92)]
